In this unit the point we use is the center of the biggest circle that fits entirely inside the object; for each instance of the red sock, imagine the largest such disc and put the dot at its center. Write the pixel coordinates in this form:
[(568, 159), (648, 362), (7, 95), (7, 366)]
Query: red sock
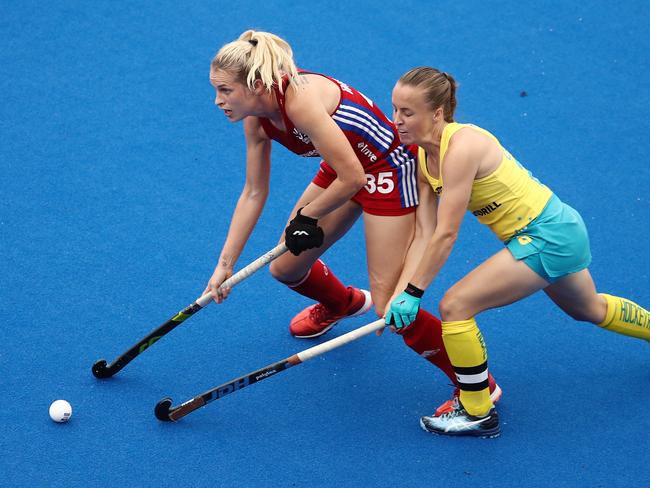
[(321, 285), (424, 336)]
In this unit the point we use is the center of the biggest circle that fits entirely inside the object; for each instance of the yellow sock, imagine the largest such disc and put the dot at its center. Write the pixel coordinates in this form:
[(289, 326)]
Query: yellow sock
[(626, 317), (468, 355)]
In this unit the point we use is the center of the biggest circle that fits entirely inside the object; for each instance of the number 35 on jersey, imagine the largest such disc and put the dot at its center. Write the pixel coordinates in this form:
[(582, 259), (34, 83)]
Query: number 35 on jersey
[(383, 183)]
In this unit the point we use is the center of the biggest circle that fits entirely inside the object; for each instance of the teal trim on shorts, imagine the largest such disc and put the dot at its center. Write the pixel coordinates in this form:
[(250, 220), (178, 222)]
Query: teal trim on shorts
[(554, 244)]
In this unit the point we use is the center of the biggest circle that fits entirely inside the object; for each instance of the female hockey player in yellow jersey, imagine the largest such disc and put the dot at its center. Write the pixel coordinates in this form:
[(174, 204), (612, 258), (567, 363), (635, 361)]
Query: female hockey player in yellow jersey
[(546, 244)]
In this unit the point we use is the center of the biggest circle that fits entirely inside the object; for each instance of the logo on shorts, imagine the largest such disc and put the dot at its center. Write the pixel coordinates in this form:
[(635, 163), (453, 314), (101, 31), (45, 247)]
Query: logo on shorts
[(523, 240), (431, 353)]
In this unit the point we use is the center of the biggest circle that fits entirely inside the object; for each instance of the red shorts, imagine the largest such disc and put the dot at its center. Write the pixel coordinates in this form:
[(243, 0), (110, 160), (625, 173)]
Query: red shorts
[(391, 187)]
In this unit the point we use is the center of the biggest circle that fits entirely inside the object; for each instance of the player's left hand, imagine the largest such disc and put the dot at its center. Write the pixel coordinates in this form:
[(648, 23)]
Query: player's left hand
[(303, 233), (404, 308)]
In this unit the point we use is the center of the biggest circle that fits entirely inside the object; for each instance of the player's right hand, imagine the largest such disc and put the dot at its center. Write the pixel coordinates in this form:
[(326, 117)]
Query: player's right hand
[(219, 276), (404, 308)]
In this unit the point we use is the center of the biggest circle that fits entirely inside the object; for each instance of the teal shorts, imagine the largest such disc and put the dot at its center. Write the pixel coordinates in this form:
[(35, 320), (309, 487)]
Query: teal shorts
[(555, 244)]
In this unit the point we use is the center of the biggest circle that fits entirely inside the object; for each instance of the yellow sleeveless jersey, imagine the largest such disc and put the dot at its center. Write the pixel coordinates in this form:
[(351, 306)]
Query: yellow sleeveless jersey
[(505, 200)]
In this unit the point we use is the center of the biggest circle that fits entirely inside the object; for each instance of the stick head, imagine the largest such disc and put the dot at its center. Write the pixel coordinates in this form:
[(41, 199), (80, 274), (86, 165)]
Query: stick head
[(162, 409), (100, 370)]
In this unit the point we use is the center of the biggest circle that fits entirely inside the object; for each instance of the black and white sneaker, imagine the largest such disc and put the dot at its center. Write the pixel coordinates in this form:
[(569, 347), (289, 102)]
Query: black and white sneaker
[(456, 421)]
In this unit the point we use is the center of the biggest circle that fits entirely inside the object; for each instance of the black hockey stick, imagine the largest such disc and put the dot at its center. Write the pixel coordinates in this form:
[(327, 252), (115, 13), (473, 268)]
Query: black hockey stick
[(101, 370), (165, 412)]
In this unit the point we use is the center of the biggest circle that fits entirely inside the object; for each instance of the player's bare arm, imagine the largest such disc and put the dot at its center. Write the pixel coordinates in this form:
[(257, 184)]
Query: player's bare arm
[(249, 206), (458, 173), (425, 226), (309, 114)]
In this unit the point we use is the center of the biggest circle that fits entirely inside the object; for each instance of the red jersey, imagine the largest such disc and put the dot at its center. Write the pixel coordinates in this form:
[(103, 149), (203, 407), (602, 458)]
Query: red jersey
[(372, 136)]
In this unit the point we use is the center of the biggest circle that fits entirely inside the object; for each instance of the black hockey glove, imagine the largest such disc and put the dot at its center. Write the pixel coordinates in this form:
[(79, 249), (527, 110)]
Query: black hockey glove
[(303, 233)]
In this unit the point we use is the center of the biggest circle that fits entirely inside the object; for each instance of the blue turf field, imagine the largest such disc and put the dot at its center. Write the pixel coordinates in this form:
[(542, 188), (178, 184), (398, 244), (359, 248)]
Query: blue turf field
[(118, 180)]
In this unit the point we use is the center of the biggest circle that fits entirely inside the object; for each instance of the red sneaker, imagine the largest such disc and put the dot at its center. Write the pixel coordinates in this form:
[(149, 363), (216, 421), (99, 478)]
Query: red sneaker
[(316, 319), (449, 405)]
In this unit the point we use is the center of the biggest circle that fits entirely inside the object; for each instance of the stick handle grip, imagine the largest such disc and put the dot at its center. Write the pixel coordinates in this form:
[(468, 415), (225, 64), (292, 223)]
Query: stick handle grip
[(246, 271)]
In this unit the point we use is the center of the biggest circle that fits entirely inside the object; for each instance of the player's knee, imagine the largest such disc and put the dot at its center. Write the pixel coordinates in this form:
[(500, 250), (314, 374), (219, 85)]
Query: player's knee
[(380, 292), (276, 271), (285, 273), (379, 302), (452, 307)]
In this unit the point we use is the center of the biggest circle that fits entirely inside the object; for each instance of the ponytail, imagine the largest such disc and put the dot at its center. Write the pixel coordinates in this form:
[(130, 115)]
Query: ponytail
[(257, 56)]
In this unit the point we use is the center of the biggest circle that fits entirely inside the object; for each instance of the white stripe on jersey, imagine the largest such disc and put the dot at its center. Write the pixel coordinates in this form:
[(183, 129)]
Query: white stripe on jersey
[(410, 182), (409, 179), (374, 121), (375, 139), (413, 178), (369, 125), (402, 160)]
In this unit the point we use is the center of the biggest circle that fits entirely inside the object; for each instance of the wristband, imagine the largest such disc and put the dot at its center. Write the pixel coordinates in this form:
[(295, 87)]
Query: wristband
[(414, 291)]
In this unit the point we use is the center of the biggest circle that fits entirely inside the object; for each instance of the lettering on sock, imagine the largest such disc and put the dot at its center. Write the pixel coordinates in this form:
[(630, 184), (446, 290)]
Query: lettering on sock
[(479, 336), (633, 314)]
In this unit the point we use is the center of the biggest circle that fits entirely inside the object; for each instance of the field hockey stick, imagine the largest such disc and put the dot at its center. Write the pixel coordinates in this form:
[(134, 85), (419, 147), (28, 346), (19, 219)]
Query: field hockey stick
[(101, 370), (165, 412)]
